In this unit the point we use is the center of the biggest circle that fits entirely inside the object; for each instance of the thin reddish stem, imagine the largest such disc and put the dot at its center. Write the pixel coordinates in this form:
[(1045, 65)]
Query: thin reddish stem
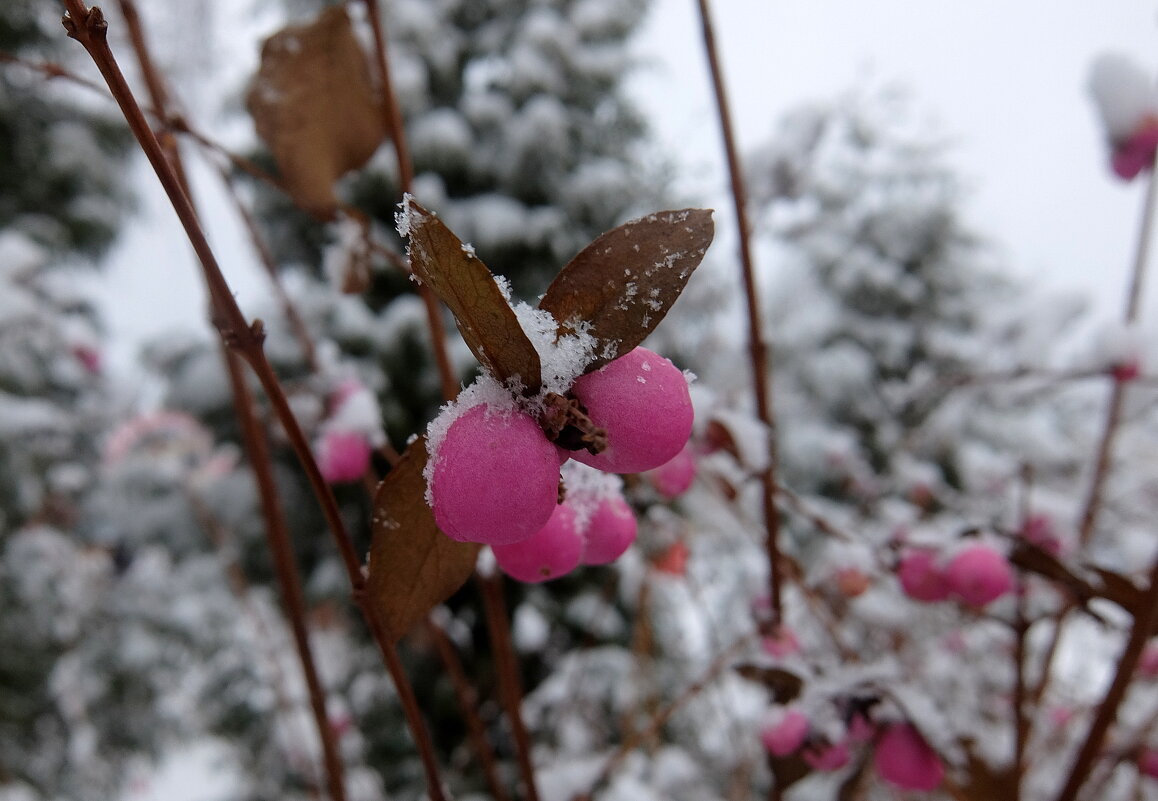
[(392, 113), (758, 349), (507, 668), (89, 28)]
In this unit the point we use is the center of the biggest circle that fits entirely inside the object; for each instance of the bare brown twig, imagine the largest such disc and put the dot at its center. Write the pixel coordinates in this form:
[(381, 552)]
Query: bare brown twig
[(758, 349), (88, 27)]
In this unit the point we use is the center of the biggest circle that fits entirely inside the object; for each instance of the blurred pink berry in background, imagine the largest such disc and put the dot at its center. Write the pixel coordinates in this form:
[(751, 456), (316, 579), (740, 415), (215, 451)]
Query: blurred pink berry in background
[(851, 581), (1148, 762), (1148, 662), (921, 576), (782, 642), (784, 731), (89, 358), (674, 477), (905, 760), (642, 401), (1135, 154), (551, 552), (827, 758), (978, 575), (1127, 103), (343, 456), (1039, 530), (610, 531)]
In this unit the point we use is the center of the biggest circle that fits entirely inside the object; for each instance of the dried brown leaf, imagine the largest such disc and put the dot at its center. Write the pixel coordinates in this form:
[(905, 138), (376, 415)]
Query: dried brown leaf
[(624, 283), (785, 686), (463, 282), (314, 104), (413, 566)]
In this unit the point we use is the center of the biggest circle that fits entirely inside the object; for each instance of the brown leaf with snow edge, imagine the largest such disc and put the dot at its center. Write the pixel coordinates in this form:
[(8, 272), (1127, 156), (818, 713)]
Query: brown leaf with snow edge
[(486, 320), (621, 285), (413, 565)]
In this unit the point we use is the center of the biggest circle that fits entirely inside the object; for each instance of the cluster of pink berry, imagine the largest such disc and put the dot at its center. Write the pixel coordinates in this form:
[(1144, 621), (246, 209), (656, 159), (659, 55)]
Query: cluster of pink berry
[(976, 575), (901, 755), (493, 476)]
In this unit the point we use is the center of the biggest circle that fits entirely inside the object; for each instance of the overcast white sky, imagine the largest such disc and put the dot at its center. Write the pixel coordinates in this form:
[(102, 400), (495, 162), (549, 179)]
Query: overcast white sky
[(1005, 80)]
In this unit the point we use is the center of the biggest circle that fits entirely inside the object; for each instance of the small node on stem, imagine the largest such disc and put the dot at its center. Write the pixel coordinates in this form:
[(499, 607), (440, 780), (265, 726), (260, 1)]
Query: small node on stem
[(565, 422)]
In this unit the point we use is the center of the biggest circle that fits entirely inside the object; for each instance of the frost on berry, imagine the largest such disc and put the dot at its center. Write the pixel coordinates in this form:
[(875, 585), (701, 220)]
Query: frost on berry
[(492, 476), (603, 517), (905, 760), (642, 401), (1127, 103), (675, 476), (551, 552), (921, 576), (979, 575), (784, 731)]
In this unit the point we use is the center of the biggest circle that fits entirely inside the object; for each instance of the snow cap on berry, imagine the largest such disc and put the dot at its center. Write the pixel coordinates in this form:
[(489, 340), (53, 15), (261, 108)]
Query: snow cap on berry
[(492, 476)]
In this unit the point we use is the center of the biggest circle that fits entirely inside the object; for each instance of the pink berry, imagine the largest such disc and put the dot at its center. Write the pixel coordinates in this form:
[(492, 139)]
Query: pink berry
[(343, 456), (675, 476), (921, 577), (610, 531), (851, 582), (781, 642), (1148, 762), (978, 575), (1135, 154), (642, 401), (783, 734), (827, 758), (551, 552), (1148, 663), (904, 759), (494, 477)]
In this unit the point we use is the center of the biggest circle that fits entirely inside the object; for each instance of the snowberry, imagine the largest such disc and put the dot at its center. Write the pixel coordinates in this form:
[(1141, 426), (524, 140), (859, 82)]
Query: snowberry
[(905, 760), (493, 477), (827, 758), (641, 399), (1148, 762), (782, 642), (1148, 662), (921, 577), (851, 581), (978, 575), (673, 478), (343, 456), (784, 732), (1135, 154), (551, 552), (610, 531)]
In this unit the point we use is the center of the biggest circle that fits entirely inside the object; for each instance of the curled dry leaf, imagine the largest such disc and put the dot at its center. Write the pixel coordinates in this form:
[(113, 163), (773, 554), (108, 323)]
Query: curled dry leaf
[(463, 282), (314, 104), (413, 566), (783, 685), (621, 285)]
